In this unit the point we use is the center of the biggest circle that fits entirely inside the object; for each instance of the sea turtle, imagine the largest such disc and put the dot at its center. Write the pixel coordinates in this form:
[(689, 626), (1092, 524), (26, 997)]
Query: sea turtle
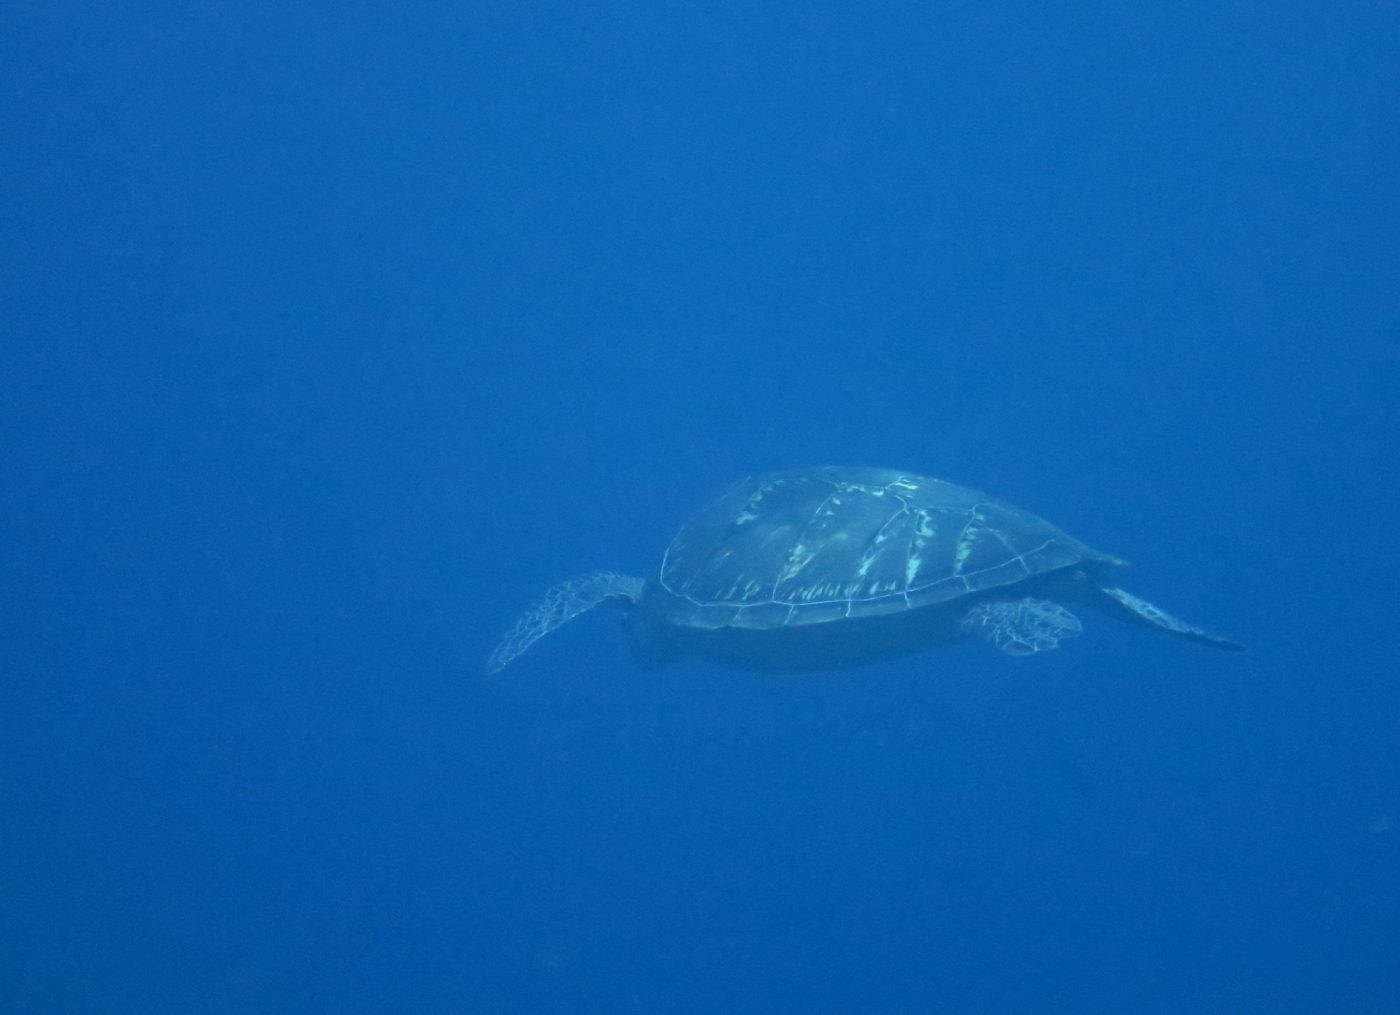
[(819, 567)]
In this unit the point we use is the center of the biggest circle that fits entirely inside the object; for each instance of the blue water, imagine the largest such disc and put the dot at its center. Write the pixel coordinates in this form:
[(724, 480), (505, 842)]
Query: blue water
[(332, 335)]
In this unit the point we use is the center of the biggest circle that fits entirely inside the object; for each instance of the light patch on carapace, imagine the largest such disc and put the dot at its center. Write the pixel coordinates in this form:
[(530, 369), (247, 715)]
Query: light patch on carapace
[(750, 511), (962, 552), (800, 557), (967, 539)]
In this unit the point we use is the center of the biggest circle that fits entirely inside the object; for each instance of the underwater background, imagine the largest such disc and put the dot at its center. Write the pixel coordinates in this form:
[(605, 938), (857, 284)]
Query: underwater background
[(332, 334)]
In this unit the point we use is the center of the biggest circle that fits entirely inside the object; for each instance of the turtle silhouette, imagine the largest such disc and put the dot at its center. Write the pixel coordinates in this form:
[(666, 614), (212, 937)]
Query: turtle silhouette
[(829, 566)]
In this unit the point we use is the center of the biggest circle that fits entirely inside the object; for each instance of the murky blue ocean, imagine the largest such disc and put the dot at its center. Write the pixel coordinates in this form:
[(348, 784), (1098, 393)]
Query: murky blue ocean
[(331, 336)]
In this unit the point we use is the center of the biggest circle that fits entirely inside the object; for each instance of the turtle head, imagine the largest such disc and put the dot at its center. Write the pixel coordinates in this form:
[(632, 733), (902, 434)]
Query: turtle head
[(653, 641)]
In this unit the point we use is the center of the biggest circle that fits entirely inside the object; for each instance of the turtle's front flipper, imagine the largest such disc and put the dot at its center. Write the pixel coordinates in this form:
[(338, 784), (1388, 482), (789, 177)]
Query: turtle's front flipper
[(1158, 617), (560, 605), (1021, 627)]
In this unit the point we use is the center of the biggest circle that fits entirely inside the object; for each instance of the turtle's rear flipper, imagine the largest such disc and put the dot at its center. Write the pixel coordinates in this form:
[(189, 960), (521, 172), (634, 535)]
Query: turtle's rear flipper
[(560, 605), (1158, 617), (1021, 627)]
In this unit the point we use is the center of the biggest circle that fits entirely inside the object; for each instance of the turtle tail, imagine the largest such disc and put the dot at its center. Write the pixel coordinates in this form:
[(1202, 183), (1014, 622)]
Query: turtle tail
[(561, 604)]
